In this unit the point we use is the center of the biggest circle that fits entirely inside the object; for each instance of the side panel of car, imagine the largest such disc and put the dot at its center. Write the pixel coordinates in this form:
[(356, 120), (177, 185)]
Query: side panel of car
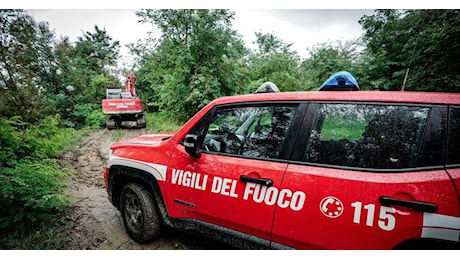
[(386, 202), (343, 209), (211, 189)]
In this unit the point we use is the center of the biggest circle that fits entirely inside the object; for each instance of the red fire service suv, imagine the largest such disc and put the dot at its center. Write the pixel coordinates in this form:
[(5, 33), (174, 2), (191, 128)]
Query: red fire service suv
[(303, 170)]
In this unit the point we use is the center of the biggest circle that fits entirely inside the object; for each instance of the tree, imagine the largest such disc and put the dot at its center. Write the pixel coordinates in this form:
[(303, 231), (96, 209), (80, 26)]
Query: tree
[(197, 58), (40, 77), (25, 63), (95, 54), (274, 61), (326, 59), (85, 70), (418, 48)]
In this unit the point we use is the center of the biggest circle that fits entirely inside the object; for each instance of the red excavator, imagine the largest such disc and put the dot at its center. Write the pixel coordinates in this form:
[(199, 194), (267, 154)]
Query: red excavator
[(124, 107)]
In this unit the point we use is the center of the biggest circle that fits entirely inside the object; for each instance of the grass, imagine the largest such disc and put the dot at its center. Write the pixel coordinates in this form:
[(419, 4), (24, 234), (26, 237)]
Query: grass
[(118, 135), (162, 122), (50, 236), (156, 123)]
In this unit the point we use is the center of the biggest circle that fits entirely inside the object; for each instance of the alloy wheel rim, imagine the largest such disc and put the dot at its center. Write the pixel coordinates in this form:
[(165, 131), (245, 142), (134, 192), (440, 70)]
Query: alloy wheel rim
[(133, 211)]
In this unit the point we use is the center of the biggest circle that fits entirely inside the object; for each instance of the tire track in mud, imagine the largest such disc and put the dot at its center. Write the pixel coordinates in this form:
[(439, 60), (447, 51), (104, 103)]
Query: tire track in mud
[(97, 224)]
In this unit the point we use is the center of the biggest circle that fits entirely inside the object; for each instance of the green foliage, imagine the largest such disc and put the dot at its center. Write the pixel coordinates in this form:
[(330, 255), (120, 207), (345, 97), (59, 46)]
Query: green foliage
[(31, 181), (31, 193), (11, 142), (424, 41), (196, 60), (325, 60), (274, 61), (162, 122), (25, 48), (97, 50), (47, 236), (268, 44), (96, 119), (41, 76), (82, 112)]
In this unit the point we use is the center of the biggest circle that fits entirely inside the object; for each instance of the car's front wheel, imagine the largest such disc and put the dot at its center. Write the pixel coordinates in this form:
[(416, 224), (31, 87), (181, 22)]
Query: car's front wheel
[(139, 212)]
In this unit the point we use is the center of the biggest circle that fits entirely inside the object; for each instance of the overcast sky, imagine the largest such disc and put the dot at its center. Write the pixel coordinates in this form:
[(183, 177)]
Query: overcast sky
[(299, 22), (304, 28)]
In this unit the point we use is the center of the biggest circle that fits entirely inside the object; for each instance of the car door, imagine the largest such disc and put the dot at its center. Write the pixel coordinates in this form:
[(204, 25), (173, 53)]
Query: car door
[(372, 175), (235, 180)]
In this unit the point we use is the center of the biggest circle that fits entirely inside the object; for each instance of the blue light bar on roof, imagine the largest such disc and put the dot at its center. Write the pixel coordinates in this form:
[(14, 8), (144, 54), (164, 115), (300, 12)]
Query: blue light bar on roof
[(342, 80)]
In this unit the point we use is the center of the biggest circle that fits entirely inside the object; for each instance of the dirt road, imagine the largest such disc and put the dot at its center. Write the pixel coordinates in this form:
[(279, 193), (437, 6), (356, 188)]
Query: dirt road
[(97, 224)]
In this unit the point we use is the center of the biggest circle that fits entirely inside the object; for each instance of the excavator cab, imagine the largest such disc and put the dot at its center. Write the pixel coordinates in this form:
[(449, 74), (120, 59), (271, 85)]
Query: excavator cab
[(113, 93)]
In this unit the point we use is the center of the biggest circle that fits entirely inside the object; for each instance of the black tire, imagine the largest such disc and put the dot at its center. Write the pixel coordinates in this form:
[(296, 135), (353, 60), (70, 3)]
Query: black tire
[(111, 123), (141, 121), (140, 213)]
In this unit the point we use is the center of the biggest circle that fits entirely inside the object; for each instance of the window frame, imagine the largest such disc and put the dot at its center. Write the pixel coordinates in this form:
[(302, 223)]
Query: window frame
[(309, 121), (291, 133), (447, 139), (437, 113)]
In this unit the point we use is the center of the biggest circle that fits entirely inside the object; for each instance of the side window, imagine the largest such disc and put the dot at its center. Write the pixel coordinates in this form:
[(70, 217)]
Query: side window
[(249, 131), (453, 153), (366, 136)]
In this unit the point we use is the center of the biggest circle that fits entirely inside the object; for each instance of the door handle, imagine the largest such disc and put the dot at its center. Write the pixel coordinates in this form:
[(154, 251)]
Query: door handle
[(261, 181), (421, 206)]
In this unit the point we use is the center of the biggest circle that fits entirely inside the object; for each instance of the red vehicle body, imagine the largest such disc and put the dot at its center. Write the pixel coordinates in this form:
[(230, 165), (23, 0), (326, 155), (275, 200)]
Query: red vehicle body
[(124, 107), (298, 195), (121, 106)]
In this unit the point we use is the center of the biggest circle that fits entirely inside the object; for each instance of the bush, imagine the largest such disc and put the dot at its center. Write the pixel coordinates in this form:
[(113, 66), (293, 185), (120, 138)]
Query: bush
[(82, 111), (31, 181), (40, 137), (162, 122), (10, 142), (30, 193), (96, 119)]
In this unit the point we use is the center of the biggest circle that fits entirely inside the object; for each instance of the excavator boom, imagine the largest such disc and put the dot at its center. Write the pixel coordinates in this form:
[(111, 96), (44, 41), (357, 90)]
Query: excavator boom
[(130, 87)]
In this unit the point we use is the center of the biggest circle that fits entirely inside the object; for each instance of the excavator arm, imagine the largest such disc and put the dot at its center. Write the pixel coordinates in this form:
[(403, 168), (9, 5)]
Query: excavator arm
[(130, 86)]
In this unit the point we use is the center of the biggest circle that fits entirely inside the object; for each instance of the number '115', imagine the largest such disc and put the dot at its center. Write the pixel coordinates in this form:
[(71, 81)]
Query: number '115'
[(386, 220)]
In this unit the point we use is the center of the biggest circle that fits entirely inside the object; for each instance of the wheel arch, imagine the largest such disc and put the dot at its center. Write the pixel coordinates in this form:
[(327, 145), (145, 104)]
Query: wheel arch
[(120, 175)]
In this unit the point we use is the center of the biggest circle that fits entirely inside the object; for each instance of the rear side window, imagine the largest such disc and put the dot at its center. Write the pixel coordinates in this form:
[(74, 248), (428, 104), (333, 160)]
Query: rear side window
[(366, 136), (453, 153), (249, 131)]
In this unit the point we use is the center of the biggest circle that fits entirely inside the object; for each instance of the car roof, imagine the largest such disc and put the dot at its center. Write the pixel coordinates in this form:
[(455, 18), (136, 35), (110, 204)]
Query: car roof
[(348, 96)]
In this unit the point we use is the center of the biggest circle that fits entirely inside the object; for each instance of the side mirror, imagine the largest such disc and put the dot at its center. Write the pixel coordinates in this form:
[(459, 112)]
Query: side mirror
[(192, 146)]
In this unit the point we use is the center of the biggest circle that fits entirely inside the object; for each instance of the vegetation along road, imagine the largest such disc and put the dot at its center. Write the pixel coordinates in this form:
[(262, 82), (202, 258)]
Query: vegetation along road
[(97, 224)]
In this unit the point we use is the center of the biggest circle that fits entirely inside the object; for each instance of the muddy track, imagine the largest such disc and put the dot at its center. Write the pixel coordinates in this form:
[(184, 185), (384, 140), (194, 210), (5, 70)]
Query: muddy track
[(97, 224)]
